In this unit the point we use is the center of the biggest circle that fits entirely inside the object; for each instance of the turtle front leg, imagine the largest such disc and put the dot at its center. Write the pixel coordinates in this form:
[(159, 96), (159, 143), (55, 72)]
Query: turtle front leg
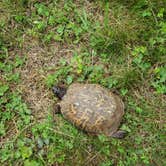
[(57, 109), (119, 134)]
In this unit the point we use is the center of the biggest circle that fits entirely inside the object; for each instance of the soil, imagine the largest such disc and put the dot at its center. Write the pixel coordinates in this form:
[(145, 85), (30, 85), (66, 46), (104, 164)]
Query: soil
[(38, 60)]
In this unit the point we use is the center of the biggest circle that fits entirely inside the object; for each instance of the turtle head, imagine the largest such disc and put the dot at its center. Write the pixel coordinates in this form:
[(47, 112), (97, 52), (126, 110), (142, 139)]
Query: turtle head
[(59, 91)]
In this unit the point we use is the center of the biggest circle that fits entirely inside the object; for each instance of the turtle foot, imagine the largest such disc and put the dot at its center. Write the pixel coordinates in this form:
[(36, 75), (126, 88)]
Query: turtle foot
[(57, 109), (119, 134)]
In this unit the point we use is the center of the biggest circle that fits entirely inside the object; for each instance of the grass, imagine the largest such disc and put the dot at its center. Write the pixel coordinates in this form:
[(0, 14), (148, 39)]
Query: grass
[(118, 44)]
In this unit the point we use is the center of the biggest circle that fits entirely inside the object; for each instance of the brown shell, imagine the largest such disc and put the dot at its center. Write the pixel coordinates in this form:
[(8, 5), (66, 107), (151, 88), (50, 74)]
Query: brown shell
[(92, 108)]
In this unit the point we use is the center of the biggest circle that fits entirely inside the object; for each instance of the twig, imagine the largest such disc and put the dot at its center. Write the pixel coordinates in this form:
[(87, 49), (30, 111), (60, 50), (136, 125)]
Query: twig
[(90, 159), (154, 16), (58, 132)]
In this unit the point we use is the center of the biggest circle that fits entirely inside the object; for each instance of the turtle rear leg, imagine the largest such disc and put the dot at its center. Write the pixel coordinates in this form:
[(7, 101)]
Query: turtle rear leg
[(119, 134)]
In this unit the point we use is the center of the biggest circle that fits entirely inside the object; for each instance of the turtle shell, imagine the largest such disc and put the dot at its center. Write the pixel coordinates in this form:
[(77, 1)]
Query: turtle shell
[(92, 108)]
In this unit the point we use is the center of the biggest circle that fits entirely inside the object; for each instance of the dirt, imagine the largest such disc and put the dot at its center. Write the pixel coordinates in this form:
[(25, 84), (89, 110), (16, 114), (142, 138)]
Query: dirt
[(38, 60)]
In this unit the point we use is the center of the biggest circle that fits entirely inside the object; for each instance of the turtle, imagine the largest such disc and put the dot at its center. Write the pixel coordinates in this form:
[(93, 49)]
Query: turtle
[(92, 108)]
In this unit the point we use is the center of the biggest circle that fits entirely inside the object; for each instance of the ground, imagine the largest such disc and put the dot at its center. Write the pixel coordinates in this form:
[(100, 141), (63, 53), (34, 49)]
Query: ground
[(117, 44)]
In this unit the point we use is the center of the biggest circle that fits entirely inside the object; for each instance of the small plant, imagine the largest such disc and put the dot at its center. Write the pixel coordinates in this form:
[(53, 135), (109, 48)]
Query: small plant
[(117, 44), (160, 80), (140, 54)]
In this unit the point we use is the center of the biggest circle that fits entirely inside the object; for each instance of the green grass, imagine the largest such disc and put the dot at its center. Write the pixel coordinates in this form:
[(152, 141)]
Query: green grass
[(117, 44)]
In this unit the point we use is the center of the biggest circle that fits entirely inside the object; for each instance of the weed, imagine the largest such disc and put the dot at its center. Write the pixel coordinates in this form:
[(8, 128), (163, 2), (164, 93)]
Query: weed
[(117, 44)]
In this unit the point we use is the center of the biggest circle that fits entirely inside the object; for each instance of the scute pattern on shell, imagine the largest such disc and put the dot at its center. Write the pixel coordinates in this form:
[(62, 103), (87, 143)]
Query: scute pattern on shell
[(92, 108)]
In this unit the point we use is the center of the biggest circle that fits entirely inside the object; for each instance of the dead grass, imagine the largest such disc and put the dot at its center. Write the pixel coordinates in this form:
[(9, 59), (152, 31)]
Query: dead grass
[(42, 60), (38, 60), (155, 102)]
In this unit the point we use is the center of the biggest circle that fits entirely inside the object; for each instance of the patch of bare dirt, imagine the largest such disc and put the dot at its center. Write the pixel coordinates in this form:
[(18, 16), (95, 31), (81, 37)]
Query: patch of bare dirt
[(38, 59)]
